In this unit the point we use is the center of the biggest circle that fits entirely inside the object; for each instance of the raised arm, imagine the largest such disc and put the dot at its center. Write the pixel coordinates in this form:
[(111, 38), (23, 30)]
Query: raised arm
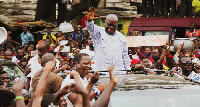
[(163, 54), (92, 28), (137, 50), (41, 86), (104, 98), (17, 88)]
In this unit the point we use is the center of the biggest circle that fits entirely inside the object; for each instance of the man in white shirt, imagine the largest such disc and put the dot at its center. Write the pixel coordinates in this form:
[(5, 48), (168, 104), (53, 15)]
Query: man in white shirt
[(109, 44), (82, 65)]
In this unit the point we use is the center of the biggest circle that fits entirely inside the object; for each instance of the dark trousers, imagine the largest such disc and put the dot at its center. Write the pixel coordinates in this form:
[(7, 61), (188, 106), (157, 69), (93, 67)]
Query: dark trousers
[(186, 8), (147, 10), (169, 4)]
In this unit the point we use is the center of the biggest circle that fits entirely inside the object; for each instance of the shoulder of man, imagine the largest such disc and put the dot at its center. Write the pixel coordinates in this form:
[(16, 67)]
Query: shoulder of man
[(121, 36)]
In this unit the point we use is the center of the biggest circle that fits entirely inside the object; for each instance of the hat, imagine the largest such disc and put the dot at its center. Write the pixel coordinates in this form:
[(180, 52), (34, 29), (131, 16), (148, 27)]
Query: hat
[(135, 61)]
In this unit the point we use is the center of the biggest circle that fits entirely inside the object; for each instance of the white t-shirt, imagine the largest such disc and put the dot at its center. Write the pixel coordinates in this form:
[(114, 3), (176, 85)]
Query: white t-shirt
[(68, 81)]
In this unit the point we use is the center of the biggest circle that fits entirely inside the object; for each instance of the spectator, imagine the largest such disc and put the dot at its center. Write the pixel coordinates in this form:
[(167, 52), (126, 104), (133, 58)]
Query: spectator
[(193, 32), (5, 79), (76, 35), (7, 98), (8, 55), (52, 37), (1, 54), (54, 81), (26, 36), (109, 44)]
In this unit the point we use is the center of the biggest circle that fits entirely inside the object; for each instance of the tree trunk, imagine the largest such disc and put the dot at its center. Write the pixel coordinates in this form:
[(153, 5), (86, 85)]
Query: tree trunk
[(62, 11), (46, 10), (80, 7)]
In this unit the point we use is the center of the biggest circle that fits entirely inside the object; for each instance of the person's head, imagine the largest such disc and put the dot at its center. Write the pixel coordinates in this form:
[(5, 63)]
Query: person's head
[(71, 43), (25, 45), (90, 42), (43, 47), (146, 62), (7, 99), (48, 40), (8, 55), (9, 37), (157, 65), (63, 102), (82, 64), (59, 33), (147, 51), (4, 77), (49, 31), (171, 63), (25, 29), (192, 26), (155, 58), (186, 65), (20, 52), (75, 27), (1, 54), (47, 57), (155, 52), (119, 27), (23, 63), (10, 45), (111, 24), (86, 33)]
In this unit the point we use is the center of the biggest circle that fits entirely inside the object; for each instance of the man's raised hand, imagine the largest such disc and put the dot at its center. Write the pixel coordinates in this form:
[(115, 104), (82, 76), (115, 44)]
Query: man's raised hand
[(95, 77), (90, 14)]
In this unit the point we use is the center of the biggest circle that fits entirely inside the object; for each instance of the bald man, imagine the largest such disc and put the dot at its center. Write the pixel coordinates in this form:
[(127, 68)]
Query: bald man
[(109, 44), (54, 81)]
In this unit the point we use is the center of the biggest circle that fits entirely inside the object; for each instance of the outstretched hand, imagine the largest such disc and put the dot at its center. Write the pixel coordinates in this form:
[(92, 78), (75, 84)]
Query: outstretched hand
[(18, 86), (95, 77), (90, 14)]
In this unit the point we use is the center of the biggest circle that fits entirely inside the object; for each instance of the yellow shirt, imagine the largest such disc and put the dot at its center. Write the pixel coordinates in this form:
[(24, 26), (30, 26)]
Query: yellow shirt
[(196, 5), (54, 38)]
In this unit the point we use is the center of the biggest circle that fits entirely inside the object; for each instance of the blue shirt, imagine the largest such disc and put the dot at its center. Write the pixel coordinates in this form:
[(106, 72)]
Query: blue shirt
[(108, 49), (26, 37), (79, 35)]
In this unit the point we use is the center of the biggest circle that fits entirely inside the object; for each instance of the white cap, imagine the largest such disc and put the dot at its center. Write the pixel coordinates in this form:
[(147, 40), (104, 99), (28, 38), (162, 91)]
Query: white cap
[(172, 49)]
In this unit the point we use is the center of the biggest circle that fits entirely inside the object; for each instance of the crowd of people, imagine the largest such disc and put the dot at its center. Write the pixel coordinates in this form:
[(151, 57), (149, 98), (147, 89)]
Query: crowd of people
[(171, 8), (97, 49)]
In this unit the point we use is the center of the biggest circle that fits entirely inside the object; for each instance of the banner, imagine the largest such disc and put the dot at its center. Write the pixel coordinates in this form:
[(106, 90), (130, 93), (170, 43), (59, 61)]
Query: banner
[(154, 40)]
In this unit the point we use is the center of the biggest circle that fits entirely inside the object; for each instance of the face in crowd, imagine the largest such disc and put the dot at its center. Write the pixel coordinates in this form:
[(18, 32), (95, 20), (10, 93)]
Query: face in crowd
[(8, 55), (20, 53), (192, 26), (111, 24), (90, 41), (63, 102), (75, 27), (25, 29), (146, 63), (4, 78), (155, 52), (147, 51), (84, 66), (186, 65), (42, 49)]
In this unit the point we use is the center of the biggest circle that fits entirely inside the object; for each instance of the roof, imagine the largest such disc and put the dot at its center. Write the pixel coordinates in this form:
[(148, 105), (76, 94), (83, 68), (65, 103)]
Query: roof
[(164, 22)]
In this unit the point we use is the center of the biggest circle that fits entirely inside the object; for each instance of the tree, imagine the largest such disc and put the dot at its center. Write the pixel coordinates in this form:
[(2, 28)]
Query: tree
[(46, 9)]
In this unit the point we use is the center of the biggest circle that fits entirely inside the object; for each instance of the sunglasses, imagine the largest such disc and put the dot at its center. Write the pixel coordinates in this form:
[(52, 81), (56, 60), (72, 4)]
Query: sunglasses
[(113, 25), (186, 63)]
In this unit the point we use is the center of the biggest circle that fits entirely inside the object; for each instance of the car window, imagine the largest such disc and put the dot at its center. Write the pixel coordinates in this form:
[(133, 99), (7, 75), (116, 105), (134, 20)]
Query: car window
[(13, 71)]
